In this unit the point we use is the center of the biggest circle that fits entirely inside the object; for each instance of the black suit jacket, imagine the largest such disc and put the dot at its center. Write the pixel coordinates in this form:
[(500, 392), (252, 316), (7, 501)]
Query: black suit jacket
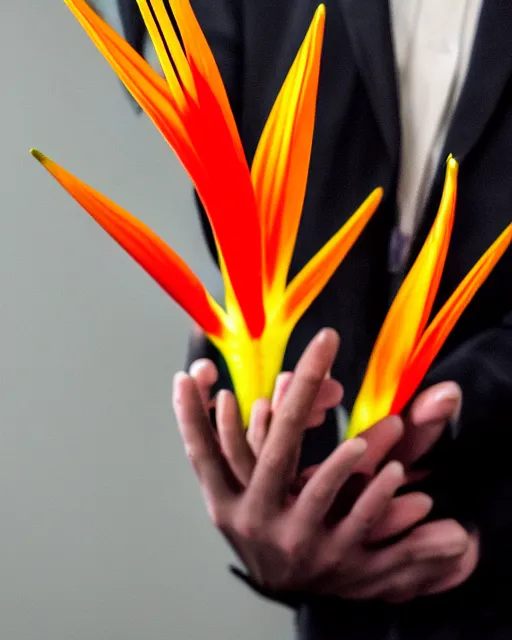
[(356, 148)]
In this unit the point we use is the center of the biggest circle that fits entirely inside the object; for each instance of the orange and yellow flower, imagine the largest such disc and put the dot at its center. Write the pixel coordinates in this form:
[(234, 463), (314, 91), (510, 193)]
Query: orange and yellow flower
[(254, 212), (406, 347)]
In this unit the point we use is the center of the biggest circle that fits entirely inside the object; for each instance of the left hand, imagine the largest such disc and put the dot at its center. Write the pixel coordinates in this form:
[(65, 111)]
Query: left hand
[(425, 422)]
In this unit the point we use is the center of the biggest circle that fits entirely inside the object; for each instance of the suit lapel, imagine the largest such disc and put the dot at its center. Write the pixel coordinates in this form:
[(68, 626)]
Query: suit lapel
[(489, 70), (368, 25)]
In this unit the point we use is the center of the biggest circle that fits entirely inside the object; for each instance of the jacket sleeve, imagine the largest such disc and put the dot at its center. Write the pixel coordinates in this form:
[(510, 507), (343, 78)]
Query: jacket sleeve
[(473, 481)]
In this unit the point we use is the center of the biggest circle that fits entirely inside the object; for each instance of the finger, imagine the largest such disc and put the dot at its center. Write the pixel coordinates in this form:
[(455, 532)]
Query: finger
[(205, 374), (405, 583), (372, 503), (318, 495), (277, 463), (441, 539), (381, 440), (280, 388), (316, 419), (258, 425), (465, 565), (329, 396), (199, 440), (388, 572), (426, 421), (431, 542), (403, 513), (234, 445)]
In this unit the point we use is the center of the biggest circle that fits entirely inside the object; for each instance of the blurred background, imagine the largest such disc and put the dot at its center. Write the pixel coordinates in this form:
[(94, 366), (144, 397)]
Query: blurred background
[(103, 534)]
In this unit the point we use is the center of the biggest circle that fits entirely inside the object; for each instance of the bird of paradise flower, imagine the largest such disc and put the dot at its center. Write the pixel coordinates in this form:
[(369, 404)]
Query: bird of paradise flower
[(406, 347), (255, 213)]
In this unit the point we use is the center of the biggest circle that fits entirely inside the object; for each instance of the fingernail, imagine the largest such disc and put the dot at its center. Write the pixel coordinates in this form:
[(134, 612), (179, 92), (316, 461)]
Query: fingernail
[(322, 336), (452, 394), (280, 379), (359, 446), (196, 367), (457, 411), (396, 469), (397, 423), (220, 403), (179, 377), (425, 501), (325, 334), (447, 392)]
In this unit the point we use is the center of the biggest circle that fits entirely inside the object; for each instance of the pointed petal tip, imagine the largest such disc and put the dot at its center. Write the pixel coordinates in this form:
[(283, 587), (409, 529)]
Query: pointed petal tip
[(452, 166), (39, 156), (318, 22), (320, 11)]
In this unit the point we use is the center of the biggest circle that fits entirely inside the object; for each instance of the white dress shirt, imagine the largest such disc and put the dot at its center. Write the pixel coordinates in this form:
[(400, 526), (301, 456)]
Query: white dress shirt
[(433, 41)]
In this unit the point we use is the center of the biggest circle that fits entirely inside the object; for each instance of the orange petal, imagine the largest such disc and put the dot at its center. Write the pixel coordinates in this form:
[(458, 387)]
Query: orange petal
[(281, 163), (310, 281), (406, 318), (434, 337), (153, 255)]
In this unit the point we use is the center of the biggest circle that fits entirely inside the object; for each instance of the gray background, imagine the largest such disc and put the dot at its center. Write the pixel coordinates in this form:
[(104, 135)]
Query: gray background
[(103, 534)]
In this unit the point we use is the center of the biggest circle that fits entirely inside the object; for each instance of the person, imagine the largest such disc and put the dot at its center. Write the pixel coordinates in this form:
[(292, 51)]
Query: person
[(403, 533)]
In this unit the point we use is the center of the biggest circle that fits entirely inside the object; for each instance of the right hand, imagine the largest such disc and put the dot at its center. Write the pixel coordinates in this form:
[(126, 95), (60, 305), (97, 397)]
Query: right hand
[(286, 540)]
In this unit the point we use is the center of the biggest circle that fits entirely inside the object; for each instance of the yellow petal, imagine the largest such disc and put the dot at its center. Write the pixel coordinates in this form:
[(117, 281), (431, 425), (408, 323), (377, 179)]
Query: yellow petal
[(310, 281), (435, 335), (172, 44), (406, 318), (150, 90), (281, 163), (253, 364), (200, 54), (153, 255)]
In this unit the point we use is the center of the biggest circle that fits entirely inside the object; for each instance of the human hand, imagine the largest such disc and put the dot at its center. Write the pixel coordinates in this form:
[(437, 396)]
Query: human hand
[(329, 396), (285, 539), (425, 422)]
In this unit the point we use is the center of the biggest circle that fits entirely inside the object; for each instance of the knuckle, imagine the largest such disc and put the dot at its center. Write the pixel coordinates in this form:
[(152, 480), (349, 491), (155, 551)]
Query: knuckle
[(194, 454), (248, 527), (293, 549), (319, 493), (292, 413), (275, 462), (410, 555), (364, 519), (311, 380), (401, 585)]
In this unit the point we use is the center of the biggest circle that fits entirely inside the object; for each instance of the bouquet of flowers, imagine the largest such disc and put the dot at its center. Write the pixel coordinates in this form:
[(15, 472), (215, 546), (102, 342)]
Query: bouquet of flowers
[(255, 213)]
